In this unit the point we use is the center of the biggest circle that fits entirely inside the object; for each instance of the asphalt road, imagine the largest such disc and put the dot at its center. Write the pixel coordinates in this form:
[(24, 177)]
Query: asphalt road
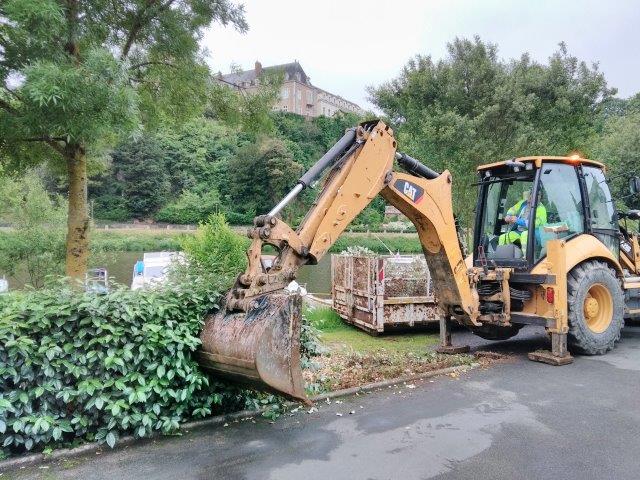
[(514, 420)]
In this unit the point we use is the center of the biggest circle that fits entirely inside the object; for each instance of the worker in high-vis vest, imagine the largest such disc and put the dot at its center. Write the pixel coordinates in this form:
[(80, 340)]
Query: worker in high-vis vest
[(518, 217)]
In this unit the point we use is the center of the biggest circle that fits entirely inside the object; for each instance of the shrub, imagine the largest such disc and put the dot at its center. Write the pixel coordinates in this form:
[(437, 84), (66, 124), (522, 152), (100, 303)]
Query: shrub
[(79, 366), (190, 208), (37, 240), (215, 249), (111, 207), (235, 218)]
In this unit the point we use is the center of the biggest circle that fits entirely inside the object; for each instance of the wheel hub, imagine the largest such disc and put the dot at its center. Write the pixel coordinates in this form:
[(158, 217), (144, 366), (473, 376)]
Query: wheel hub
[(591, 307), (598, 308)]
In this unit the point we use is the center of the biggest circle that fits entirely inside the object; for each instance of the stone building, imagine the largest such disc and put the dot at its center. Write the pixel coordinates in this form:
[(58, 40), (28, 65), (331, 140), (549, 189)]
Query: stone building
[(297, 94)]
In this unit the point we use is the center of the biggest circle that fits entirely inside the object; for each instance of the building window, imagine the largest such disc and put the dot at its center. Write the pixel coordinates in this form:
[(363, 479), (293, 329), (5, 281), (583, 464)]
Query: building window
[(323, 111), (285, 108), (299, 95), (309, 97), (285, 93)]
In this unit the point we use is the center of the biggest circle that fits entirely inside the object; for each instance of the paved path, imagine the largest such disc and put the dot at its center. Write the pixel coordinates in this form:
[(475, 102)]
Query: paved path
[(515, 420)]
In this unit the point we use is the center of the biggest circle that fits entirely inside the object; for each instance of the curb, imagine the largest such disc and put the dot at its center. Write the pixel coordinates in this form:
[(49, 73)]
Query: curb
[(36, 458)]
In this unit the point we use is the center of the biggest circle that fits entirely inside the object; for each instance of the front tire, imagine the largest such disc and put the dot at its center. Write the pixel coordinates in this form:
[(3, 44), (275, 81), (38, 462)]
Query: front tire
[(596, 308)]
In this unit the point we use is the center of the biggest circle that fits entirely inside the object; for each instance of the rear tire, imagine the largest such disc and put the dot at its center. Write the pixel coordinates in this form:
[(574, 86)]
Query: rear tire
[(595, 308)]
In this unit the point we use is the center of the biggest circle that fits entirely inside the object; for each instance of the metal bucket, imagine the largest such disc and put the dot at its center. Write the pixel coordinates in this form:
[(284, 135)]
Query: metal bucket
[(259, 347)]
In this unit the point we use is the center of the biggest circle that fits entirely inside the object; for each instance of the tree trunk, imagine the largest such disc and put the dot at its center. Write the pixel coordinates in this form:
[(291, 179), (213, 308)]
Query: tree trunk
[(78, 219)]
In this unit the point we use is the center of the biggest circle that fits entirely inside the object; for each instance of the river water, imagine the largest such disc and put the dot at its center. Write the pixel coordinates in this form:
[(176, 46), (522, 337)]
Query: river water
[(317, 278)]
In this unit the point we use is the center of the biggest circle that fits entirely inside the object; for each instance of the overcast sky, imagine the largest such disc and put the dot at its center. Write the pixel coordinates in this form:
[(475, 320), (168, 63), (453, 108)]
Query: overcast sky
[(344, 46)]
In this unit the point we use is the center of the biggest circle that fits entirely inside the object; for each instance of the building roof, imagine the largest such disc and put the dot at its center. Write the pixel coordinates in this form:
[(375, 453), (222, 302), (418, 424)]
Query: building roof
[(289, 69)]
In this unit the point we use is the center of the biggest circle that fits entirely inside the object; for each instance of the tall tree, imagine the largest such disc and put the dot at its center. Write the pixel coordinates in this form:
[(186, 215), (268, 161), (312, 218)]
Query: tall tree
[(619, 148), (76, 76), (472, 108), (262, 174)]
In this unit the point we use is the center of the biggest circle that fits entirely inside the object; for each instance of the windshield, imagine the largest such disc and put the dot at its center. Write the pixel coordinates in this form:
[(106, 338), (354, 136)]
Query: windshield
[(505, 216)]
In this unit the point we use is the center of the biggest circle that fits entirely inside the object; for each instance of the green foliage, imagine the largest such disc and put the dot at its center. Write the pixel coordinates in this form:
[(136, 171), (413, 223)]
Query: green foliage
[(236, 218), (36, 241), (88, 103), (93, 74), (111, 207), (145, 180), (262, 174), (619, 147), (190, 208), (79, 366), (213, 168), (473, 108), (215, 250), (251, 112), (323, 319)]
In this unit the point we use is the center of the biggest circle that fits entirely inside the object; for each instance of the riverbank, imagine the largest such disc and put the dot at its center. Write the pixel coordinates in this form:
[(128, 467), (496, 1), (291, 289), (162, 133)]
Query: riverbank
[(129, 240)]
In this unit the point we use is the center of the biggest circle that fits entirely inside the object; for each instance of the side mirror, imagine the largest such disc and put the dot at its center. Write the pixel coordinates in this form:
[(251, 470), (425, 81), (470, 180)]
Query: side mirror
[(634, 185)]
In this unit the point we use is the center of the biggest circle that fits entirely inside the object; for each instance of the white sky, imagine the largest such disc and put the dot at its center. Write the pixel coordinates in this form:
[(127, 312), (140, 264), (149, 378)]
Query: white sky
[(345, 46)]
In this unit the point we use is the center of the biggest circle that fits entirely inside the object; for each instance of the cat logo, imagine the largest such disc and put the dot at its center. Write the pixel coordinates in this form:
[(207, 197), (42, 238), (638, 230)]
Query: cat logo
[(410, 190)]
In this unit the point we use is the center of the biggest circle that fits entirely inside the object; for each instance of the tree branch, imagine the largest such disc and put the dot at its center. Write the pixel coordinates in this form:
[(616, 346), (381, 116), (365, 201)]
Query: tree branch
[(144, 64), (139, 22), (57, 147), (51, 141), (136, 26)]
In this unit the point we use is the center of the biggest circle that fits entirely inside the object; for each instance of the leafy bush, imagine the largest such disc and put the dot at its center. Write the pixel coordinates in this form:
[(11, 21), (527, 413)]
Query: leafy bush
[(37, 240), (78, 366), (190, 208), (216, 250), (111, 207), (235, 218)]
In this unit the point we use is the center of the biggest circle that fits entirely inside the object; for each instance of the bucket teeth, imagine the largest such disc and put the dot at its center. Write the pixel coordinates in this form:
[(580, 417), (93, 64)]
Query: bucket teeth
[(259, 347)]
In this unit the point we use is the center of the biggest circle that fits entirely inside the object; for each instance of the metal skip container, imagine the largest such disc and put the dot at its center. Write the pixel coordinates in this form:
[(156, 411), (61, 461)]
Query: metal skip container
[(379, 293)]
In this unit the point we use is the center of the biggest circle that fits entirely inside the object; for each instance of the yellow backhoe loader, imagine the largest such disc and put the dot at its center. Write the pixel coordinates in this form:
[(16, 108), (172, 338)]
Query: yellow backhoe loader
[(548, 250)]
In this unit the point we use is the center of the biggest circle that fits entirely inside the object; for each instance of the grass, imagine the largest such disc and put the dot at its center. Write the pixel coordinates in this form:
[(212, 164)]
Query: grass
[(356, 358), (336, 334)]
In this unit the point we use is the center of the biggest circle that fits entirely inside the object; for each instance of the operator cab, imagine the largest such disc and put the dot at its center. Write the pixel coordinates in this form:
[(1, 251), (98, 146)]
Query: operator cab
[(525, 202)]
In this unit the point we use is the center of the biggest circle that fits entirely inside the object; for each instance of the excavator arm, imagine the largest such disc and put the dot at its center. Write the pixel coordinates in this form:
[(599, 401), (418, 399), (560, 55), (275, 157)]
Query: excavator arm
[(255, 335)]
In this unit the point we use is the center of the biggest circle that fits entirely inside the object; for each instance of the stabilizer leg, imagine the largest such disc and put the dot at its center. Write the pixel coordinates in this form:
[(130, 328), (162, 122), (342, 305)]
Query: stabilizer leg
[(559, 355), (446, 346)]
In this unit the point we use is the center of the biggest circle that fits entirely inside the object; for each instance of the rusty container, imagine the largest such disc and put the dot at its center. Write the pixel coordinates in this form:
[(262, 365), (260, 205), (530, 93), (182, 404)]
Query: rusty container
[(384, 292)]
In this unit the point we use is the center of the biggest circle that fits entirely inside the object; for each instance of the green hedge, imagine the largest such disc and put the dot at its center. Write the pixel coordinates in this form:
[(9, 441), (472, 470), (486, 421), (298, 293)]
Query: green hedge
[(82, 367)]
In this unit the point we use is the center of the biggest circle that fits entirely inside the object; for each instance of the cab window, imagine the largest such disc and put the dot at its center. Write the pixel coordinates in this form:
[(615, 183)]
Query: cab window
[(559, 211), (600, 203), (601, 208)]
